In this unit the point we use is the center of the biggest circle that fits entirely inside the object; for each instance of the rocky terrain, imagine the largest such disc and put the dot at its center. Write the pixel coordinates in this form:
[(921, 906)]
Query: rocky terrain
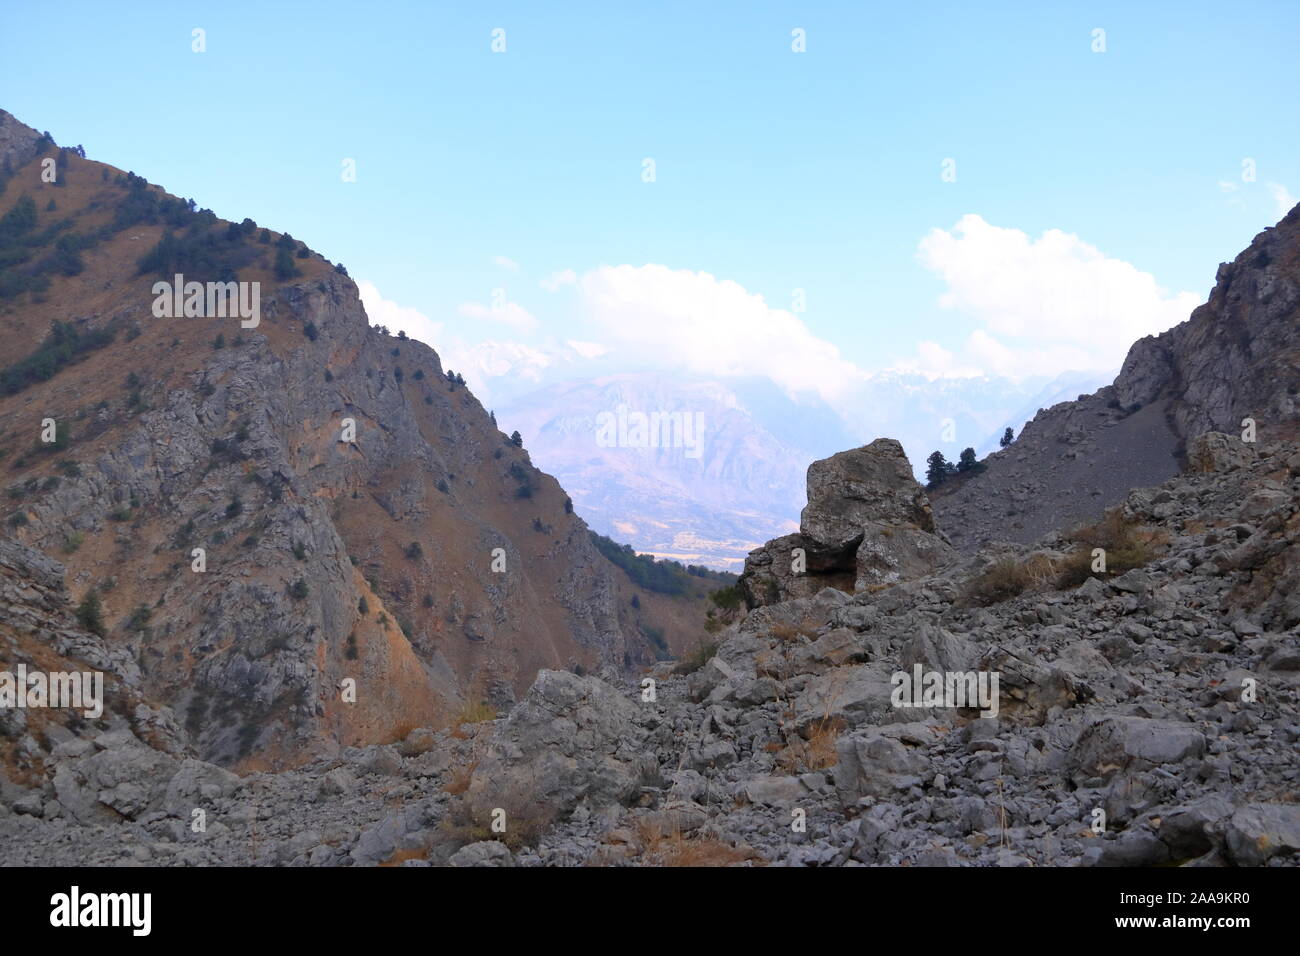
[(1147, 717)]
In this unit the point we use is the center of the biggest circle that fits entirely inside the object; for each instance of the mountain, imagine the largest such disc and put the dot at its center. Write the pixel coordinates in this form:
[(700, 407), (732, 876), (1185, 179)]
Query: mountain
[(1236, 357), (279, 503), (743, 483), (1162, 693), (707, 486)]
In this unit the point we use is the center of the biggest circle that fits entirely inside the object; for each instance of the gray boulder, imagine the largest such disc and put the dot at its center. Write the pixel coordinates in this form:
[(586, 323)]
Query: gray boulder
[(1116, 744), (572, 740)]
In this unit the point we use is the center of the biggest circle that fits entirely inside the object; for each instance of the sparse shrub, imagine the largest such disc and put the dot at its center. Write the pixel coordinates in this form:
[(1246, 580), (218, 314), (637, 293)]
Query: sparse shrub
[(656, 637), (697, 658), (1126, 542), (413, 551), (139, 618), (1000, 581), (792, 632), (72, 541), (299, 589), (475, 712), (90, 613)]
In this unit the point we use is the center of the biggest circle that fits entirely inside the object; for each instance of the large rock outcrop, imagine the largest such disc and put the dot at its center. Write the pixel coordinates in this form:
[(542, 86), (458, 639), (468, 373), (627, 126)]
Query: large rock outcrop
[(867, 524)]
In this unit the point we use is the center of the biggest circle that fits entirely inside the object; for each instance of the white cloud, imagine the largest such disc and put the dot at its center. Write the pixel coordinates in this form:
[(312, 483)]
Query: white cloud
[(692, 321), (553, 282), (935, 361), (1041, 306), (398, 318), (1282, 198), (507, 313), (1226, 186), (588, 350), (484, 361), (505, 262), (479, 362)]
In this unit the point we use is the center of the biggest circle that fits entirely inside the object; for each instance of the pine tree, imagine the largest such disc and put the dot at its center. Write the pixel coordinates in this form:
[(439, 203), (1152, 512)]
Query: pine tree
[(1008, 437), (938, 468), (517, 439), (284, 266), (966, 461)]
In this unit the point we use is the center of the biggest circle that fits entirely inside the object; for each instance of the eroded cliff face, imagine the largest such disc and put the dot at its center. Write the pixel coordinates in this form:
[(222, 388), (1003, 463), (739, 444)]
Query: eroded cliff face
[(359, 515), (1236, 357)]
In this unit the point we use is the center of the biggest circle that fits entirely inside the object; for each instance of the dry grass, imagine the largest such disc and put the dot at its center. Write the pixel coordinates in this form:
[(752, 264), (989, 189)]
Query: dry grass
[(697, 658), (402, 855), (400, 732), (1127, 543), (459, 781), (1009, 577), (817, 752), (526, 818), (791, 632), (475, 712), (673, 848)]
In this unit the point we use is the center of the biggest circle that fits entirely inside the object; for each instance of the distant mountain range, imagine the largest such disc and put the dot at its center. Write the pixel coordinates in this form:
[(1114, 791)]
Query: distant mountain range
[(717, 467)]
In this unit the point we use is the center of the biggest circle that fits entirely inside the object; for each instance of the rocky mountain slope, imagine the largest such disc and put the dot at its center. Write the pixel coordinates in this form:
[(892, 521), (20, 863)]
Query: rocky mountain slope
[(1149, 717), (1236, 357), (357, 514)]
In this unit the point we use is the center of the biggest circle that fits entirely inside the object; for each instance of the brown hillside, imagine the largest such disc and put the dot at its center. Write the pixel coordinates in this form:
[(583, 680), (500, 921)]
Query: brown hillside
[(194, 432)]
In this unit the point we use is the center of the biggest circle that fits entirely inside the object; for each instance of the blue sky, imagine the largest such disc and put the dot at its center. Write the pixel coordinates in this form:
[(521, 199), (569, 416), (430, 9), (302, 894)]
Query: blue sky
[(774, 170)]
